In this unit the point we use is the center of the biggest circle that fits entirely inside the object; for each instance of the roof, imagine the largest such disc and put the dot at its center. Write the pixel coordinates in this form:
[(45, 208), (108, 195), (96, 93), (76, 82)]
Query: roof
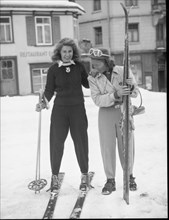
[(41, 5)]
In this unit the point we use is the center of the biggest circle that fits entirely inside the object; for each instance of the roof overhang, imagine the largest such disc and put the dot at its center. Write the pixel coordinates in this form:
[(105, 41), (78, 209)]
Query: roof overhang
[(36, 5)]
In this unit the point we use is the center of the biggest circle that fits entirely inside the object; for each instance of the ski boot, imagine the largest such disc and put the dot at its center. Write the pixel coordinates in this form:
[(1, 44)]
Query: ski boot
[(84, 182), (54, 183), (132, 183), (109, 187)]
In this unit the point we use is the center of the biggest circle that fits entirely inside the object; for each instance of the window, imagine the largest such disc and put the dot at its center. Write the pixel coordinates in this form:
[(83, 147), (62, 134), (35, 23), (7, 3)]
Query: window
[(160, 32), (46, 29), (98, 35), (96, 5), (133, 33), (5, 30), (130, 3), (155, 2), (39, 76), (43, 30), (148, 82), (159, 5), (137, 71), (7, 69)]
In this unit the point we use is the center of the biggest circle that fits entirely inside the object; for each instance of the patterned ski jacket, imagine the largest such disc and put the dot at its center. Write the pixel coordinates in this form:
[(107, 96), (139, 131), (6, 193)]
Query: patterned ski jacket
[(102, 90)]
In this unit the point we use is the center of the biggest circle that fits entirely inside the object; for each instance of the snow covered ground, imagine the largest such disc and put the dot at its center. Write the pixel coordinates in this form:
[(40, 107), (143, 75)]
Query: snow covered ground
[(19, 134)]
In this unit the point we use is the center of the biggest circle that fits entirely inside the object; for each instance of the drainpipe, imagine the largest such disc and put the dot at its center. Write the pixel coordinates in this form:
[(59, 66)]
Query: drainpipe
[(108, 23)]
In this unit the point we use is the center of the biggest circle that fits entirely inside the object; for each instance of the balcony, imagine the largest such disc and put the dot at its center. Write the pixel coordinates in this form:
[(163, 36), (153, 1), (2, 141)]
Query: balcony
[(161, 45), (159, 7)]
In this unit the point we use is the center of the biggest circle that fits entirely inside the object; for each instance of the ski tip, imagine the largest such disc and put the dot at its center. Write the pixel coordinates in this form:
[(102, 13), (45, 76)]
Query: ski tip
[(122, 5), (126, 200)]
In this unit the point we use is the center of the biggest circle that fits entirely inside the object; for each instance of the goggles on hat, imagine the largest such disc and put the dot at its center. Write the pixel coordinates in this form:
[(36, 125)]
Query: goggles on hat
[(97, 53)]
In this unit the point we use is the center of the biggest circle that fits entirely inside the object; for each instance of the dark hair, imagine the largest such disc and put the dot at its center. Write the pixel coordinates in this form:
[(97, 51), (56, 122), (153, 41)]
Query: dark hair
[(66, 42), (110, 63)]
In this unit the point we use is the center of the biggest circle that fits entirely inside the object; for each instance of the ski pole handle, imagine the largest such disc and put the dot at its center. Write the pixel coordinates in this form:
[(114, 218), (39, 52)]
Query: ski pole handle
[(40, 95), (40, 104)]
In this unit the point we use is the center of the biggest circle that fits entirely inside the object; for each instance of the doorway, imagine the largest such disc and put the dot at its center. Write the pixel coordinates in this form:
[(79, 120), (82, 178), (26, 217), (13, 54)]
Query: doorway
[(8, 77)]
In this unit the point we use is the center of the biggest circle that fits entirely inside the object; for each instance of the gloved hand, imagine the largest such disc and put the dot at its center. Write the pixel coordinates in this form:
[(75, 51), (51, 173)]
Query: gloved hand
[(129, 81), (122, 90), (42, 104)]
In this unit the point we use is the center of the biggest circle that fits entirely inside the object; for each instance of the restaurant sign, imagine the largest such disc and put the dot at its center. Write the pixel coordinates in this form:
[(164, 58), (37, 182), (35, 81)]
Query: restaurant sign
[(35, 54)]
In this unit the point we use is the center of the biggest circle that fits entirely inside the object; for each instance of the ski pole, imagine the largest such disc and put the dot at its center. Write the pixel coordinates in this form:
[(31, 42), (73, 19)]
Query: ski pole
[(38, 183)]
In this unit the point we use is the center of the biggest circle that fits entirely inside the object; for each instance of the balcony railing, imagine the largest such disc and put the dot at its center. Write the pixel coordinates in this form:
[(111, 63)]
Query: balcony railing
[(161, 6), (161, 44)]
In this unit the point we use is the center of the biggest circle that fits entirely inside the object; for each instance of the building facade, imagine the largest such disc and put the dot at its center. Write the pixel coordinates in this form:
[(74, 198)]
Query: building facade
[(105, 24), (29, 31)]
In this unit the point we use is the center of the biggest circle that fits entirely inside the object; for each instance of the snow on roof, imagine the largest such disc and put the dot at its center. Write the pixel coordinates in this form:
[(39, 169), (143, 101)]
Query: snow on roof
[(55, 5)]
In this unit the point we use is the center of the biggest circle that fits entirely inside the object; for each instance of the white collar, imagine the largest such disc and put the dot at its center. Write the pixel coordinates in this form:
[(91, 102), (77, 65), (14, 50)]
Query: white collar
[(61, 63)]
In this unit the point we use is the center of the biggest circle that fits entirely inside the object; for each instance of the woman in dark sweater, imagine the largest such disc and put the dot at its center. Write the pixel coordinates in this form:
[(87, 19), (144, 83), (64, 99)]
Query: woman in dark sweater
[(65, 78)]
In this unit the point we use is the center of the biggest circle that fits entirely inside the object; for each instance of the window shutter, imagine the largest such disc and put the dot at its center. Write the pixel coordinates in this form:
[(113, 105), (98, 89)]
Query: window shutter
[(56, 29), (30, 27)]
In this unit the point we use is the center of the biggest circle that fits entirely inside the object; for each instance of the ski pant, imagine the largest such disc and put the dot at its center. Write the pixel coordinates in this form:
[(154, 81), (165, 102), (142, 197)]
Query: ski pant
[(110, 134), (63, 119)]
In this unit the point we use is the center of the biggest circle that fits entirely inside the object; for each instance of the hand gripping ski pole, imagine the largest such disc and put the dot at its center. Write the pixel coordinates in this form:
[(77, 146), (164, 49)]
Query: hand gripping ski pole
[(38, 183)]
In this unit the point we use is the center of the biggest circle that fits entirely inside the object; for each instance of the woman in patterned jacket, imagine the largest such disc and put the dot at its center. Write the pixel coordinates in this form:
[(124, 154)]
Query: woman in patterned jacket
[(105, 81)]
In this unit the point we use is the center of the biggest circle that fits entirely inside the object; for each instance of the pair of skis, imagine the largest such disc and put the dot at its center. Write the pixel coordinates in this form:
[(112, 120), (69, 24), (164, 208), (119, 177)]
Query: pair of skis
[(126, 113), (77, 209)]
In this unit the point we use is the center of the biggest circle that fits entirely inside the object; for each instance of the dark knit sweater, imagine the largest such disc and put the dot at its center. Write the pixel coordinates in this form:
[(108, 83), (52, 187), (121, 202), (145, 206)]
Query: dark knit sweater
[(67, 85)]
